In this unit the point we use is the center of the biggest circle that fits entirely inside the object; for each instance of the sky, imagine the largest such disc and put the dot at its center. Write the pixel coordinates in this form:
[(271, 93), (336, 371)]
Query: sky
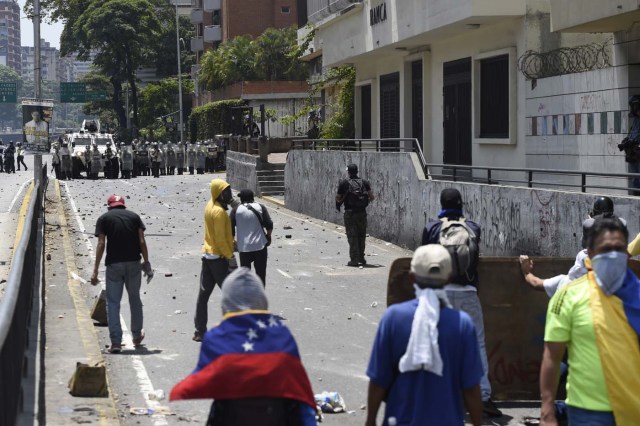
[(50, 33)]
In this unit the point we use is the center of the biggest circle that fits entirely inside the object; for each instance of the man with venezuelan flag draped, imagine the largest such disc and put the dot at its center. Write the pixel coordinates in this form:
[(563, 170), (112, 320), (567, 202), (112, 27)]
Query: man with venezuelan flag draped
[(250, 364), (597, 319)]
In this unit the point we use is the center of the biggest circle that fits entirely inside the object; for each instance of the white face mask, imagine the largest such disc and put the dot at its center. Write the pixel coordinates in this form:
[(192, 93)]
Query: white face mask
[(610, 269)]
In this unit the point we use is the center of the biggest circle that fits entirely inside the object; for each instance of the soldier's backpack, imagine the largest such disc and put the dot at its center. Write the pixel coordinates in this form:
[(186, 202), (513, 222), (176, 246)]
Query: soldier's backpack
[(461, 242), (358, 195)]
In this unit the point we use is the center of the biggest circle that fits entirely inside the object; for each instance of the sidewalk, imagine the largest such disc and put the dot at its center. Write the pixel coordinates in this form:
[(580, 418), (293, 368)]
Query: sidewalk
[(69, 330)]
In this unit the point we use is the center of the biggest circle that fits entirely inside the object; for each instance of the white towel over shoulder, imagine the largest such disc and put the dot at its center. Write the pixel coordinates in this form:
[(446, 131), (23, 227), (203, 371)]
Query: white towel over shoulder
[(423, 352)]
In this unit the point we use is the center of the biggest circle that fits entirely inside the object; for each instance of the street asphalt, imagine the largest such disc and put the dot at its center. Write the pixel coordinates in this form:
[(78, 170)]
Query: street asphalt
[(333, 310)]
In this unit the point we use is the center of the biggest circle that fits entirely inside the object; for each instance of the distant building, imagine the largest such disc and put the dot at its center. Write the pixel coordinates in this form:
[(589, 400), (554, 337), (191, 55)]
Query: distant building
[(51, 63), (10, 35)]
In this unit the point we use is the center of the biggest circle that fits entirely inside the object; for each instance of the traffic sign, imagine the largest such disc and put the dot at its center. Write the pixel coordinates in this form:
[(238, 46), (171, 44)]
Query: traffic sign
[(8, 93), (96, 95), (73, 92)]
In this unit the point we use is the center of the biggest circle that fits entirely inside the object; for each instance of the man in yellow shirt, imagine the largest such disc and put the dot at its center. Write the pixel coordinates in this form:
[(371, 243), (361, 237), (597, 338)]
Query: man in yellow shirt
[(597, 318), (217, 250)]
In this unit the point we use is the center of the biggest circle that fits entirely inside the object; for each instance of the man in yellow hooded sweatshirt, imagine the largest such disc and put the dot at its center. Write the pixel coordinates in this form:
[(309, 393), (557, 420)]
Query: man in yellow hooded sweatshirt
[(216, 250)]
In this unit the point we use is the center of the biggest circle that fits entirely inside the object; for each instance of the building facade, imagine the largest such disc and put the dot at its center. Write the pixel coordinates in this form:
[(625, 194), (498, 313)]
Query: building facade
[(10, 35), (54, 68), (448, 73)]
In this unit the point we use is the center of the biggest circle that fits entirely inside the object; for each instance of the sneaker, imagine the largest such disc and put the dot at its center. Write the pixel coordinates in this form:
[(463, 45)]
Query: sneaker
[(490, 409), (138, 340), (197, 337), (363, 262), (115, 348), (350, 263)]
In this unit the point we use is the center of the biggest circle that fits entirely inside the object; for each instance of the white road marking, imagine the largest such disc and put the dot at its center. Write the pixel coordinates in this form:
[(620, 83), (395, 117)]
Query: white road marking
[(125, 182), (144, 382), (15, 199), (284, 274)]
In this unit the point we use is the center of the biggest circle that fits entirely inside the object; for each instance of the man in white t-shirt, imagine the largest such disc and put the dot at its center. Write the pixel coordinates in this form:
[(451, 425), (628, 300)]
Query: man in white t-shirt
[(36, 130), (251, 226)]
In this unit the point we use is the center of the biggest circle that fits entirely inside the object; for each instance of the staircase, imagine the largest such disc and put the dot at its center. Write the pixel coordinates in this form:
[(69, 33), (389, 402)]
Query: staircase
[(271, 182)]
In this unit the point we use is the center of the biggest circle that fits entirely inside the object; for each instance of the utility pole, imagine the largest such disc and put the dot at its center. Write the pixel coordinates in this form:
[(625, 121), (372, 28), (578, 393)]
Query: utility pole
[(179, 74), (37, 71)]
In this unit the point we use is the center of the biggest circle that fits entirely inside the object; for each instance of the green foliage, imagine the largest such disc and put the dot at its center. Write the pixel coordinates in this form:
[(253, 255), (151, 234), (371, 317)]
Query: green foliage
[(212, 119), (159, 100), (163, 53), (341, 125), (268, 57)]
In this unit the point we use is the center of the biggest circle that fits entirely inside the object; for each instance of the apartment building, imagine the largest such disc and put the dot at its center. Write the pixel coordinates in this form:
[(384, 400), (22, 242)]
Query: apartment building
[(10, 35)]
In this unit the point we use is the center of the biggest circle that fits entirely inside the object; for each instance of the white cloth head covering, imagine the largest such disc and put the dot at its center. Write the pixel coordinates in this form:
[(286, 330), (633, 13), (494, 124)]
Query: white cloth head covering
[(430, 264), (423, 351), (242, 290)]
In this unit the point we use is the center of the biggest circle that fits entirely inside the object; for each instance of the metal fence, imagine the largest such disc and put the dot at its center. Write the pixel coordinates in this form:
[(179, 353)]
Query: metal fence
[(16, 304), (569, 180)]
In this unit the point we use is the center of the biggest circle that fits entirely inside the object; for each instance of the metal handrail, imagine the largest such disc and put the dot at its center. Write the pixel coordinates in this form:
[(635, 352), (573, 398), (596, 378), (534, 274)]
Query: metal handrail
[(17, 304), (357, 145)]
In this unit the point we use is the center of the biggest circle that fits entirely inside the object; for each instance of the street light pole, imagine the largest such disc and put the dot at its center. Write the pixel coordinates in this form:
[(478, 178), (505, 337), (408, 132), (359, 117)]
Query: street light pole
[(179, 74), (37, 71)]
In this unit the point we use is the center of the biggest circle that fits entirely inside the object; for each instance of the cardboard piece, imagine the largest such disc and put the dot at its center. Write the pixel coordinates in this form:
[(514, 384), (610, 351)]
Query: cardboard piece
[(99, 311)]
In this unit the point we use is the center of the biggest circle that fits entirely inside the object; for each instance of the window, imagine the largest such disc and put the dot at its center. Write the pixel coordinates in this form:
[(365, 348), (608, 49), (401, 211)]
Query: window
[(285, 9), (494, 97)]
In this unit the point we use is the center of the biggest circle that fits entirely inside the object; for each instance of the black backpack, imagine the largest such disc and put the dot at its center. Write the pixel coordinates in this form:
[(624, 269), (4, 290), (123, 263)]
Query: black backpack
[(357, 194)]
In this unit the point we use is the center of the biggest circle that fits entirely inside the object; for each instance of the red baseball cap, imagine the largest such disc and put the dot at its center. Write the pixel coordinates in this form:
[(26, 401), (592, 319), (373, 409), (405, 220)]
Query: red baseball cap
[(115, 201)]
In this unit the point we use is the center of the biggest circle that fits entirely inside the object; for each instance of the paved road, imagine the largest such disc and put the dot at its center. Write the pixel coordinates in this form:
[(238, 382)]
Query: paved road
[(12, 189), (333, 310)]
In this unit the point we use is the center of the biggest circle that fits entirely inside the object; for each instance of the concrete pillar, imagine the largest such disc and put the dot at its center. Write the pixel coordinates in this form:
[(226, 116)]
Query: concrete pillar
[(37, 168), (242, 144), (263, 149), (233, 143), (249, 145)]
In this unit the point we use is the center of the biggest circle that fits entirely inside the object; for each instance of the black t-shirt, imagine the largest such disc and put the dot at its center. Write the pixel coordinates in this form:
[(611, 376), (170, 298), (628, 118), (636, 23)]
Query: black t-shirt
[(343, 189), (121, 227)]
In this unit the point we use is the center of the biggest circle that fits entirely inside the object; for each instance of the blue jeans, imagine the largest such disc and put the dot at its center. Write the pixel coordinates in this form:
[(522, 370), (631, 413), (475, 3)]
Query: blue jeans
[(582, 417), (120, 275), (469, 302)]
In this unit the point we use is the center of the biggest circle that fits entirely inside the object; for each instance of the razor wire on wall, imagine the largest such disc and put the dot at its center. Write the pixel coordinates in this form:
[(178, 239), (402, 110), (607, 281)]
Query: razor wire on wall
[(566, 60)]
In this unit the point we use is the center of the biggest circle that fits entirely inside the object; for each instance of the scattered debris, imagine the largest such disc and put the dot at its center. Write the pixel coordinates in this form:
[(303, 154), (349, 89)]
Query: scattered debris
[(287, 227), (330, 402), (374, 304), (288, 236), (168, 274), (156, 395)]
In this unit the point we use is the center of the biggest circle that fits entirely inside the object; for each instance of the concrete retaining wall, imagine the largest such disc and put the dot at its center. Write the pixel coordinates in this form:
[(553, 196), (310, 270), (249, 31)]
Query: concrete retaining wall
[(241, 171), (513, 220)]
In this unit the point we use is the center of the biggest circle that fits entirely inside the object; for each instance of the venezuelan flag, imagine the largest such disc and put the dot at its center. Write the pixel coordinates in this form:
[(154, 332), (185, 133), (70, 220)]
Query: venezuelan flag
[(250, 354), (616, 321)]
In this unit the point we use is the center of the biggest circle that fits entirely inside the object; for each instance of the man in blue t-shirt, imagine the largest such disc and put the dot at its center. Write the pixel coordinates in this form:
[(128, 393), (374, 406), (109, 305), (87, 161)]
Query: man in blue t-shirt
[(425, 361)]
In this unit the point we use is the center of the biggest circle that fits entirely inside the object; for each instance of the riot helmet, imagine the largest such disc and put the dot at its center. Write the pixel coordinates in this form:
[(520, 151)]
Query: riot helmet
[(602, 206), (634, 105)]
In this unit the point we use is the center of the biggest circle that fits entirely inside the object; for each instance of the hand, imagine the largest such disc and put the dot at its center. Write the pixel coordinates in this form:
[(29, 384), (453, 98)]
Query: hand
[(94, 278), (338, 205), (526, 265), (268, 240), (146, 269)]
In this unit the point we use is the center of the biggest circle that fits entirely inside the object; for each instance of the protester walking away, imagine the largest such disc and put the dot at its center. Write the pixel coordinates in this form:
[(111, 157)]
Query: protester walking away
[(252, 227), (122, 231), (217, 250), (597, 319), (461, 237), (355, 193), (249, 364), (9, 159), (425, 360), (631, 145), (56, 162), (1, 156), (20, 157)]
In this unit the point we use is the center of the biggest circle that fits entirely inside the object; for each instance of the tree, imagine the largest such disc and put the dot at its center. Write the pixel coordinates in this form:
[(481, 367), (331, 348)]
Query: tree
[(120, 32), (268, 57), (160, 100), (161, 56), (9, 114)]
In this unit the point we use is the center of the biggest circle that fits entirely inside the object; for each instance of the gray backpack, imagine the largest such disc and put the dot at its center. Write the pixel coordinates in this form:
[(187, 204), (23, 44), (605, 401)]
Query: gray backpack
[(461, 242)]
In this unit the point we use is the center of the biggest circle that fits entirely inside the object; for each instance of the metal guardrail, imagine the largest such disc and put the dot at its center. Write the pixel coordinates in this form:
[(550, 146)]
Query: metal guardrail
[(15, 307), (527, 177)]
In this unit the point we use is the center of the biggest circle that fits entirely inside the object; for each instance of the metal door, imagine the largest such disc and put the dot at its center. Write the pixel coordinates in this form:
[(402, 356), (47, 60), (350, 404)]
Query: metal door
[(457, 112), (365, 111), (390, 109), (416, 102)]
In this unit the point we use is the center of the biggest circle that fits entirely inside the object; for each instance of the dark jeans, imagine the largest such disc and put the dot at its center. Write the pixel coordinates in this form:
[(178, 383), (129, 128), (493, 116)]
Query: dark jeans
[(21, 161), (634, 182), (582, 417), (259, 260), (213, 272), (355, 223)]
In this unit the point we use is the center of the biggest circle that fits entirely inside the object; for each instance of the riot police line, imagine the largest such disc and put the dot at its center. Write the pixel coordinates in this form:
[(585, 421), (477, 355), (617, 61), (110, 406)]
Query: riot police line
[(140, 158)]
